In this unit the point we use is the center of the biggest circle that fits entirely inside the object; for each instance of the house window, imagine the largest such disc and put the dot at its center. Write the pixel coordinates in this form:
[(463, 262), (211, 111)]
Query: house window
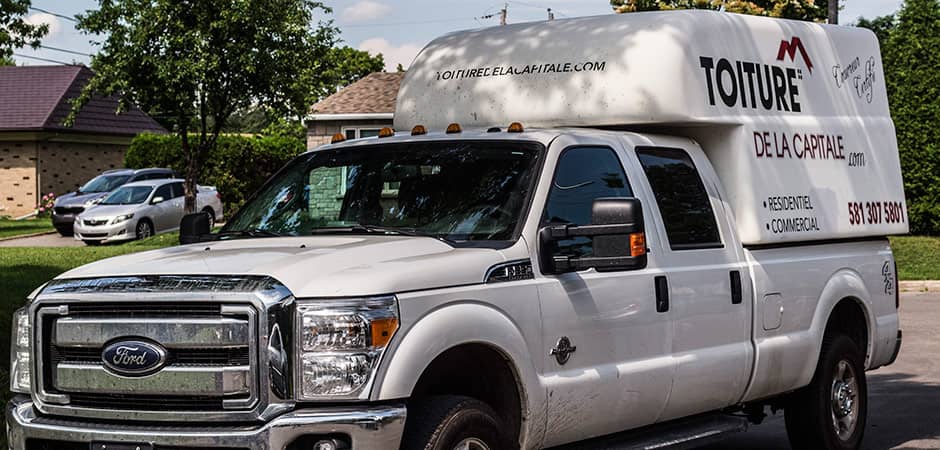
[(359, 133)]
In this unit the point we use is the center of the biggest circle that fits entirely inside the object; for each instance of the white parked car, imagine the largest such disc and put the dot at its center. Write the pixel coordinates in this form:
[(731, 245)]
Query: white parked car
[(140, 210)]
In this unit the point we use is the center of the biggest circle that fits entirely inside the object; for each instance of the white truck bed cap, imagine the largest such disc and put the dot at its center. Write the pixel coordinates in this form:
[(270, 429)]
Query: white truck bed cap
[(793, 115)]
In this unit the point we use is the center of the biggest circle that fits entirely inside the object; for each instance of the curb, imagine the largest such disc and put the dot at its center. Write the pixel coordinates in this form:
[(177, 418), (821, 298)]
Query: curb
[(920, 286), (24, 236)]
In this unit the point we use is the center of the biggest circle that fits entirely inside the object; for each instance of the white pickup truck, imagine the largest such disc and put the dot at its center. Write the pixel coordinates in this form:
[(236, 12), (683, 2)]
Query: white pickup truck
[(684, 225)]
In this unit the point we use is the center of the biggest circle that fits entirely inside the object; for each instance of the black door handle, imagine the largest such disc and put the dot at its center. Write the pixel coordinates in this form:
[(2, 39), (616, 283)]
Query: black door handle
[(662, 294), (736, 296)]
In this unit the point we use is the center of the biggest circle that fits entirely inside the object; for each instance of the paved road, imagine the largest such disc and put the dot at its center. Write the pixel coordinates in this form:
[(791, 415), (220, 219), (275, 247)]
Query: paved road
[(46, 240), (904, 407)]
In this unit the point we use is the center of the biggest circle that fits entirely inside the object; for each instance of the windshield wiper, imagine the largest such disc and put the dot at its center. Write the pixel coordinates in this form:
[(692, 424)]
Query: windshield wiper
[(363, 228), (252, 233)]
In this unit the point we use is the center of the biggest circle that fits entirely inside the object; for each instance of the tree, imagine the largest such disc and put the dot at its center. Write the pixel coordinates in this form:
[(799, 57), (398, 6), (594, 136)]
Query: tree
[(7, 61), (345, 66), (199, 62), (911, 59), (881, 26), (787, 9), (15, 32)]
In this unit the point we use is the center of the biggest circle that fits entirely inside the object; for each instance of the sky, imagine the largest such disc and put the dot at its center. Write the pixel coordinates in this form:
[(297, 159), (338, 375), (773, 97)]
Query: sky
[(397, 29)]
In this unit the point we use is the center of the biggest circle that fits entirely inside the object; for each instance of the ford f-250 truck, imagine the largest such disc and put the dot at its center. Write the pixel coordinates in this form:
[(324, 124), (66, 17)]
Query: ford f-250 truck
[(576, 228)]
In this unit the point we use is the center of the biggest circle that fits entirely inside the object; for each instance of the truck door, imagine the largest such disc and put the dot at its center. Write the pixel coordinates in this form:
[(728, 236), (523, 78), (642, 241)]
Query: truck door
[(606, 362), (707, 285)]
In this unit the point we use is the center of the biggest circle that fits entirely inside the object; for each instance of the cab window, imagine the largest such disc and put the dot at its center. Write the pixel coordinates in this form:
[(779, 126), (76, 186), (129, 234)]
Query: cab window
[(583, 174), (682, 199)]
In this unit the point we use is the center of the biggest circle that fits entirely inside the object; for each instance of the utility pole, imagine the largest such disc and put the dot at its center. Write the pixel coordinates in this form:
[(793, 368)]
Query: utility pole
[(502, 14), (834, 12), (551, 15)]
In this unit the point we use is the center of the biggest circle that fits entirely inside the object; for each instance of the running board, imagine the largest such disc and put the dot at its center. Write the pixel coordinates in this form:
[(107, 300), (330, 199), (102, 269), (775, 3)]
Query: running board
[(675, 435)]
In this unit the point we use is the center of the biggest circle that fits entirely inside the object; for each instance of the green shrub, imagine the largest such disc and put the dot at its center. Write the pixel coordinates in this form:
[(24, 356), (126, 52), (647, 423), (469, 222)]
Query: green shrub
[(238, 165)]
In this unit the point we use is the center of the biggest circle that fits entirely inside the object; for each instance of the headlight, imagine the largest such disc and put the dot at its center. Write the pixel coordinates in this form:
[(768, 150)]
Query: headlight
[(341, 342), (19, 353), (123, 218)]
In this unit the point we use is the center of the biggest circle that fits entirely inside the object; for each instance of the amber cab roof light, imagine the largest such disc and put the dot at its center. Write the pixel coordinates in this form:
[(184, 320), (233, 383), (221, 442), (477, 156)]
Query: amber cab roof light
[(337, 138), (419, 130), (515, 127), (386, 132), (453, 128)]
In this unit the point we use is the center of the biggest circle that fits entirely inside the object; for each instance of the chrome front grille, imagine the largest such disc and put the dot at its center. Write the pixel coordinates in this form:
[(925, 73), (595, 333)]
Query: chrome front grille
[(215, 344)]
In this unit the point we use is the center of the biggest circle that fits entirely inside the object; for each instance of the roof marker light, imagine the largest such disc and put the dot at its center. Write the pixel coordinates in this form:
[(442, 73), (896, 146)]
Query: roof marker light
[(386, 132), (419, 130), (453, 128), (515, 127), (337, 138), (493, 130)]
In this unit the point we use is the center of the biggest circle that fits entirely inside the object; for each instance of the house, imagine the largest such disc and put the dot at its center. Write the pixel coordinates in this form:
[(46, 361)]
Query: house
[(357, 111), (38, 153)]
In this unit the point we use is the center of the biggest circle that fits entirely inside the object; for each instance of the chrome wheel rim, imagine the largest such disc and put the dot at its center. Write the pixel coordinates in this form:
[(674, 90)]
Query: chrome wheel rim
[(471, 444), (143, 230), (845, 408)]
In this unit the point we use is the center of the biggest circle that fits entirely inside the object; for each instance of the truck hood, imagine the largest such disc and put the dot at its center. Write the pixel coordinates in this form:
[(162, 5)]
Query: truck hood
[(317, 266)]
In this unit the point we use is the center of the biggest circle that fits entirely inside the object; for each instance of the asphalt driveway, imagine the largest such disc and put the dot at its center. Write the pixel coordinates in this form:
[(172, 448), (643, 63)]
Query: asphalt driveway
[(904, 398), (45, 240)]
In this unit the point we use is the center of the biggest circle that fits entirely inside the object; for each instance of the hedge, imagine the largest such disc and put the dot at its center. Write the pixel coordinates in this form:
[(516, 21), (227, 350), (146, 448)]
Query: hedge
[(238, 165)]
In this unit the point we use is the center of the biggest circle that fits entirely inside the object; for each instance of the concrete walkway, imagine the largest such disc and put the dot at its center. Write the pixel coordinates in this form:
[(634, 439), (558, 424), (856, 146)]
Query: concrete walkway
[(45, 240)]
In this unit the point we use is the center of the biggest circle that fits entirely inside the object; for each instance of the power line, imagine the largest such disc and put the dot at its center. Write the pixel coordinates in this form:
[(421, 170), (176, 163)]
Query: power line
[(65, 50), (62, 16), (392, 24), (20, 55)]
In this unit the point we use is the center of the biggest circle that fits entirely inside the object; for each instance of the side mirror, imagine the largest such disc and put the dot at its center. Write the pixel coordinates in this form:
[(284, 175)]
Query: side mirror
[(156, 200), (194, 228), (616, 232)]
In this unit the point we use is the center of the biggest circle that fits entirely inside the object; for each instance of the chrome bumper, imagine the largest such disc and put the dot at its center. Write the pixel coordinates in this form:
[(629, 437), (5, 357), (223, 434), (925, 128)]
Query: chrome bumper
[(368, 428)]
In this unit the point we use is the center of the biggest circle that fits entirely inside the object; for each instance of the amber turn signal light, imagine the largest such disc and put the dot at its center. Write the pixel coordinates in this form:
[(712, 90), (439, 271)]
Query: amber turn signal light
[(383, 330), (419, 130), (637, 244), (453, 128), (386, 132), (337, 138), (515, 127)]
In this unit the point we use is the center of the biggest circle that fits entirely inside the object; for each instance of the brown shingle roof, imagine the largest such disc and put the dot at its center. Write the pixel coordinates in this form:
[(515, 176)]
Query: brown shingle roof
[(375, 93), (37, 98)]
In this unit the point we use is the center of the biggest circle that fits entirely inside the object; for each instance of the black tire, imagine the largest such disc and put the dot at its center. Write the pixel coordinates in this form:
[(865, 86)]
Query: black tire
[(64, 232), (211, 214), (814, 416), (444, 422), (144, 229)]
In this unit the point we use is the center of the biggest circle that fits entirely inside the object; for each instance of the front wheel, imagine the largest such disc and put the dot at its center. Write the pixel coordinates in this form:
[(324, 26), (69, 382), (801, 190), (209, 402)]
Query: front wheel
[(453, 422), (830, 413), (144, 229)]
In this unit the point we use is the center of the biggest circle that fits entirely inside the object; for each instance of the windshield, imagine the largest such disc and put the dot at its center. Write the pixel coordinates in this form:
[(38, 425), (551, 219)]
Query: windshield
[(128, 195), (455, 190), (104, 183)]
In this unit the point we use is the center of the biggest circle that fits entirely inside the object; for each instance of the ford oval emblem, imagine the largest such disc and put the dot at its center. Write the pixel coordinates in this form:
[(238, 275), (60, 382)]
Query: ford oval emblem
[(133, 358)]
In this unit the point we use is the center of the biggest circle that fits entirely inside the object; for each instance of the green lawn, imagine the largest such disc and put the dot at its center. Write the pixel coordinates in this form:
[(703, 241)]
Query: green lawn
[(10, 228), (918, 257)]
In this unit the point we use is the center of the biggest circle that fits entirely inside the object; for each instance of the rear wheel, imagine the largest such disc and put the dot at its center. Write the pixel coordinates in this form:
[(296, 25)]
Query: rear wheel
[(144, 229), (453, 422), (831, 412), (211, 215)]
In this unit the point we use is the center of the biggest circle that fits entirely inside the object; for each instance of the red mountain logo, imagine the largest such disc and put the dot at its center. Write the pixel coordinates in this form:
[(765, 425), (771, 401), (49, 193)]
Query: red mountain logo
[(789, 48)]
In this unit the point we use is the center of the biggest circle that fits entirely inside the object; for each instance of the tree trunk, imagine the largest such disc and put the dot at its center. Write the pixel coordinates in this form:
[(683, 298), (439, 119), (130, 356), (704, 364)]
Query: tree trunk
[(834, 12), (193, 164)]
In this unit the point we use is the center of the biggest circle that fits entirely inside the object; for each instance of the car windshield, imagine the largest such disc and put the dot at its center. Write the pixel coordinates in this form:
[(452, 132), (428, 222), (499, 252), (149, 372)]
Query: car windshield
[(104, 183), (454, 190), (128, 195)]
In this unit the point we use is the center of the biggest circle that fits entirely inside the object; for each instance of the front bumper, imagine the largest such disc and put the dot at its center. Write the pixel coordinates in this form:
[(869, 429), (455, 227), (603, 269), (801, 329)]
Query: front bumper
[(366, 427), (106, 233)]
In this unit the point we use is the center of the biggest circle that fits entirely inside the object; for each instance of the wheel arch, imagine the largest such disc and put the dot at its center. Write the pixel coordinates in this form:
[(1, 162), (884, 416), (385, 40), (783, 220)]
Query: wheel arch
[(844, 306), (447, 341)]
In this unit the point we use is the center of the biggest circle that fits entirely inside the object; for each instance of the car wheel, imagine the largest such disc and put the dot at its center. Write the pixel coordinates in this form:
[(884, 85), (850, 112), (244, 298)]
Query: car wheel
[(65, 232), (144, 229), (453, 423), (831, 412), (209, 212)]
